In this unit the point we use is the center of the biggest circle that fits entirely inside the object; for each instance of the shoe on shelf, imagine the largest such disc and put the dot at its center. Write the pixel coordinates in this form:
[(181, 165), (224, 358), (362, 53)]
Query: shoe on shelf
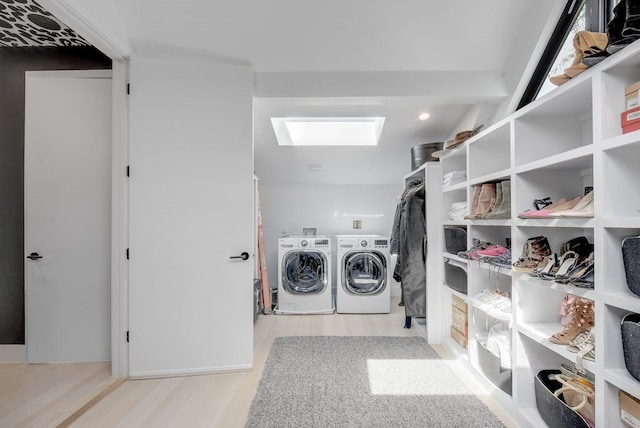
[(581, 275), (491, 252), (502, 209), (580, 245), (477, 246), (502, 261), (582, 319), (584, 208), (474, 204), (527, 213), (486, 201), (533, 252), (542, 203), (495, 203), (562, 205), (546, 265), (567, 261)]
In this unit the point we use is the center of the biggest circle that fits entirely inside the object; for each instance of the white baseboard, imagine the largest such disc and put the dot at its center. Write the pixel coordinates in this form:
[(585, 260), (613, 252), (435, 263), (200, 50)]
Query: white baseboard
[(13, 354), (190, 372)]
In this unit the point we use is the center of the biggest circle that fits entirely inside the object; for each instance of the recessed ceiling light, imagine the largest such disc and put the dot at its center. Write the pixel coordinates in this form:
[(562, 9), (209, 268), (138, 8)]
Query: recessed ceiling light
[(317, 167), (424, 116), (327, 131)]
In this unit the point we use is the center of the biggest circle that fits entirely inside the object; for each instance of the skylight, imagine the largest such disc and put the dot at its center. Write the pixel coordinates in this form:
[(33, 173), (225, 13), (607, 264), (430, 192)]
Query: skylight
[(327, 131)]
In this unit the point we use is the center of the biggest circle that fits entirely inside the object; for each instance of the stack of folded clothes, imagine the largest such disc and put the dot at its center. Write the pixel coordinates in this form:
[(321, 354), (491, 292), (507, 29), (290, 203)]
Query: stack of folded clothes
[(454, 177), (458, 210)]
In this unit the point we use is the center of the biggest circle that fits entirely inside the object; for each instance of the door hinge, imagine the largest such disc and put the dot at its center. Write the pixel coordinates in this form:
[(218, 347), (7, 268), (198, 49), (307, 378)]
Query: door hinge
[(128, 170), (128, 89), (127, 336), (127, 254)]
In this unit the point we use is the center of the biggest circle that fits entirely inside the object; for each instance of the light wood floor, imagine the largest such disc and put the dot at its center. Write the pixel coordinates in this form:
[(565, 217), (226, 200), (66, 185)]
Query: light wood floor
[(44, 395)]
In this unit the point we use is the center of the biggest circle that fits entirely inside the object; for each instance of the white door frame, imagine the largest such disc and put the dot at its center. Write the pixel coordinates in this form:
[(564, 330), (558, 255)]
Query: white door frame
[(119, 187)]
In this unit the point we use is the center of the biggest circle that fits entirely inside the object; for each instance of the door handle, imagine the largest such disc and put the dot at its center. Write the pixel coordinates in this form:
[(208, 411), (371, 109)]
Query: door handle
[(244, 256), (34, 256)]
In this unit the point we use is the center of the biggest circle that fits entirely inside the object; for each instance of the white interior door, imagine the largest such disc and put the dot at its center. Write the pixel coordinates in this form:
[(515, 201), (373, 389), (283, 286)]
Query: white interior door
[(191, 209), (68, 215)]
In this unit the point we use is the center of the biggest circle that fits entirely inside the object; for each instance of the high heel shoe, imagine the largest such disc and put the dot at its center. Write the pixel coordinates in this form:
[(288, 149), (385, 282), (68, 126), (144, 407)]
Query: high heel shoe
[(583, 209), (551, 206), (562, 205), (567, 261), (582, 275), (545, 266)]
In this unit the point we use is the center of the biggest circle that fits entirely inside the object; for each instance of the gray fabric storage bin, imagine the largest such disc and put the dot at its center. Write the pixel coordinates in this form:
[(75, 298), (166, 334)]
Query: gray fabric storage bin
[(490, 365), (455, 277), (630, 326), (554, 411), (631, 261), (455, 239)]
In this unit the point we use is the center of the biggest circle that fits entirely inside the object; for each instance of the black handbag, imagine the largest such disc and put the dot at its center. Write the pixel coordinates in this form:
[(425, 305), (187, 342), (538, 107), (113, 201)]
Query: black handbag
[(631, 260)]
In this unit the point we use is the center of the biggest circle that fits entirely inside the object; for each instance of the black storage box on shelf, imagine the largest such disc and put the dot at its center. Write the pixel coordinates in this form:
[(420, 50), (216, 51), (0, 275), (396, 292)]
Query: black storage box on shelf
[(455, 239), (422, 153), (631, 343), (490, 365), (553, 410), (631, 260), (455, 276)]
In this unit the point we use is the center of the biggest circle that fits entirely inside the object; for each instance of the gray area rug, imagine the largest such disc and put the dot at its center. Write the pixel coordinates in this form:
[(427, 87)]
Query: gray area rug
[(362, 381)]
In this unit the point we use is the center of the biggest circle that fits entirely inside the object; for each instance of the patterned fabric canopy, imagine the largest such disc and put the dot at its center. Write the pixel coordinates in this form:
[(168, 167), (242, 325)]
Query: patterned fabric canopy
[(25, 23)]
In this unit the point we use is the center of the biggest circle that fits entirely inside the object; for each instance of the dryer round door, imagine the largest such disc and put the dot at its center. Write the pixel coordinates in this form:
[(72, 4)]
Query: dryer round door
[(364, 273), (304, 272)]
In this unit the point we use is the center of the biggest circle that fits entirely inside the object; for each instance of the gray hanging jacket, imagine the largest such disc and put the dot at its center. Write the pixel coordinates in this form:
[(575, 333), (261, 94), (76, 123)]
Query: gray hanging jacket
[(410, 266)]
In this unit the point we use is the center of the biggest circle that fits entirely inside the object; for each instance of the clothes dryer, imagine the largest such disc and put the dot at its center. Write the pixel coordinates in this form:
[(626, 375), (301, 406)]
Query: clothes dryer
[(364, 274), (304, 278)]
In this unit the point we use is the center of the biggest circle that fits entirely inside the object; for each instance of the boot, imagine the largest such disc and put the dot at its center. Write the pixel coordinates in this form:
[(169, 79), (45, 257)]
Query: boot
[(582, 319), (533, 252), (585, 44), (504, 208), (496, 205), (622, 30), (486, 200), (474, 205)]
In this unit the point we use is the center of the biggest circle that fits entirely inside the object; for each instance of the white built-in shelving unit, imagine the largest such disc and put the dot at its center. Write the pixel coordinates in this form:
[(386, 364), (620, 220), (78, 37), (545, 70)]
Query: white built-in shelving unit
[(556, 146)]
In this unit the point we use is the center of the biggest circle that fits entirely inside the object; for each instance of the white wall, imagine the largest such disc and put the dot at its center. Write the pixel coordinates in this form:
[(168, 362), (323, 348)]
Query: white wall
[(289, 208)]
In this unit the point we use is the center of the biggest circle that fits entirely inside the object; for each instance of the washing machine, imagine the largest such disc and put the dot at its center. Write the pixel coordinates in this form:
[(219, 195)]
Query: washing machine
[(364, 274), (304, 279)]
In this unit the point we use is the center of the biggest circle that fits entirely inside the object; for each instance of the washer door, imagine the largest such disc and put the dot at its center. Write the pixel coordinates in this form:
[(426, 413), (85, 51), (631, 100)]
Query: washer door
[(365, 273), (304, 272)]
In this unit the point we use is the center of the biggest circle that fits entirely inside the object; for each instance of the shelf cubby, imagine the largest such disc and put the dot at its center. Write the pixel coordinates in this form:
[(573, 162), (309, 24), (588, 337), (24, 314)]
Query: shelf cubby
[(534, 357), (612, 342), (615, 287), (488, 232), (561, 124), (621, 176), (565, 180), (456, 160), (490, 152), (556, 237), (449, 197), (615, 78)]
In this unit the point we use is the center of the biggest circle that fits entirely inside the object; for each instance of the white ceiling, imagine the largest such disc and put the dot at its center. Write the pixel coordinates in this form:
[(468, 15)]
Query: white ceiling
[(391, 58)]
